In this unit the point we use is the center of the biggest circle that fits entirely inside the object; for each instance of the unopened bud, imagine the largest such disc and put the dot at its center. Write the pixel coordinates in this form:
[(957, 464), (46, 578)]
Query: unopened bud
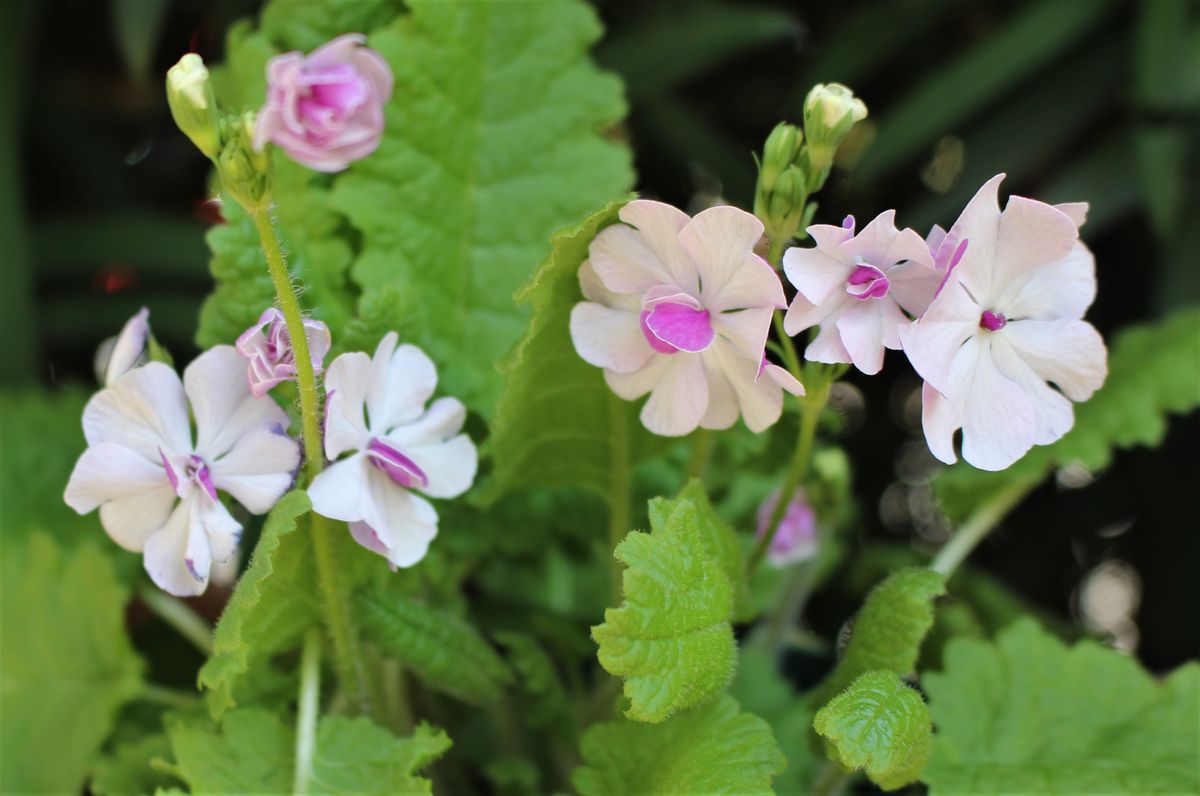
[(193, 104), (779, 153), (245, 173), (830, 110)]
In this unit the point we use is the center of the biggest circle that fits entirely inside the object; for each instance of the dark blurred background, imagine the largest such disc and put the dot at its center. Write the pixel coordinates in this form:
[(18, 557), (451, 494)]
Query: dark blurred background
[(102, 210)]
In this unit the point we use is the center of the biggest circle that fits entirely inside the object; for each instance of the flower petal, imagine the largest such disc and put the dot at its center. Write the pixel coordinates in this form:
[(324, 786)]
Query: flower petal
[(1053, 413), (134, 495), (223, 531), (760, 400), (1069, 353), (339, 491), (594, 290), (625, 261), (128, 348), (679, 399), (817, 273), (723, 409), (609, 338), (931, 342), (177, 557), (721, 243), (940, 420), (257, 471), (1031, 234), (402, 380), (442, 420), (746, 329), (827, 347), (1062, 289), (978, 224), (346, 383), (145, 410), (225, 410), (803, 314), (860, 326), (754, 284), (998, 418), (659, 225), (405, 522), (450, 466)]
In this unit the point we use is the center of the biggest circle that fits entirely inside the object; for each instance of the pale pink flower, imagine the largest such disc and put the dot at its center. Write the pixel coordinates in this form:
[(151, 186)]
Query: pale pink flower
[(1006, 322), (326, 109), (157, 489), (121, 354), (267, 347), (680, 308), (398, 448), (856, 288), (796, 539)]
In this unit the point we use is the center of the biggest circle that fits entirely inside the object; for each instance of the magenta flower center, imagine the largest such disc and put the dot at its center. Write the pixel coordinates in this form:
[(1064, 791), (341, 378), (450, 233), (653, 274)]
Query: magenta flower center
[(671, 326), (992, 321), (867, 282), (328, 95), (398, 467)]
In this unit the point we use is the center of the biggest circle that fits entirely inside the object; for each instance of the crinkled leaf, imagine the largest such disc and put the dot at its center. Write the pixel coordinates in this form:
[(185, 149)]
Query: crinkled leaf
[(127, 771), (1152, 374), (711, 749), (305, 25), (445, 651), (274, 602), (493, 141), (888, 630), (1028, 714), (254, 752), (66, 664), (880, 725), (671, 639)]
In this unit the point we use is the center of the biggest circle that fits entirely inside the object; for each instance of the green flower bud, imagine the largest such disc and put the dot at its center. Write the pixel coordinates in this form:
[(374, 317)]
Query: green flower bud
[(830, 110), (778, 153), (193, 104), (245, 172)]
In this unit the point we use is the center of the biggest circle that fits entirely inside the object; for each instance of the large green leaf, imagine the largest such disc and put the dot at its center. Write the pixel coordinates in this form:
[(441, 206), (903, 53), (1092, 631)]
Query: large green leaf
[(66, 665), (493, 141), (880, 725), (671, 639), (712, 749), (1152, 373), (128, 772), (445, 651), (1027, 714)]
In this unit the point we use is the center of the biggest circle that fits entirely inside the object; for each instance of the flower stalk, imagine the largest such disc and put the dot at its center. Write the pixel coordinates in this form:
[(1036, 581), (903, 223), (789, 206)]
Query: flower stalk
[(306, 710), (978, 526)]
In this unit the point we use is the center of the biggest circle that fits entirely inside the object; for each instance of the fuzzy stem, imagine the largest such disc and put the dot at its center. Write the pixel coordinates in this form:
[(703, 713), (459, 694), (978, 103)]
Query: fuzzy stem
[(702, 445), (978, 525), (335, 596), (179, 616), (307, 709), (620, 492), (167, 697)]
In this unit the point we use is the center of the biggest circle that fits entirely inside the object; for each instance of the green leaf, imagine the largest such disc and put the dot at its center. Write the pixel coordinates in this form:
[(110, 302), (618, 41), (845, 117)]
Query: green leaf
[(880, 725), (712, 749), (492, 142), (305, 25), (254, 752), (671, 639), (274, 602), (445, 651), (887, 631), (1080, 719), (1152, 373), (557, 422), (66, 664), (545, 698), (127, 771)]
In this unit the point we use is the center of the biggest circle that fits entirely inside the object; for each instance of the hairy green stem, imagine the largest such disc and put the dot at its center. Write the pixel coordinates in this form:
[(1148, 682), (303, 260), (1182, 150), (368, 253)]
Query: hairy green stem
[(334, 592), (831, 780), (179, 616), (307, 710), (167, 697), (978, 525), (702, 445)]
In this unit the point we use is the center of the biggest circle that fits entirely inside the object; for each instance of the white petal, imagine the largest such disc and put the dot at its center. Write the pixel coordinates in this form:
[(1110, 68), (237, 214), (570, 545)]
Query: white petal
[(998, 419), (760, 400), (723, 407), (754, 284), (783, 378), (861, 328), (882, 245), (258, 470), (1069, 353), (625, 262), (979, 223), (1053, 413), (129, 521), (940, 420), (746, 329), (346, 384), (817, 274), (803, 314), (594, 290), (177, 557), (609, 338), (405, 522), (913, 286), (223, 531), (450, 466), (339, 492), (1062, 289), (224, 408), (1031, 234), (134, 495), (145, 410), (680, 398), (401, 383), (932, 342), (128, 348), (659, 225), (632, 386), (827, 347), (1076, 211), (721, 241)]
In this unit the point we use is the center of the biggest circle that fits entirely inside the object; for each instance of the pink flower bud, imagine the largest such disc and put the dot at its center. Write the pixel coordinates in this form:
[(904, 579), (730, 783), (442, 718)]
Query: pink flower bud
[(268, 348), (796, 539), (326, 109)]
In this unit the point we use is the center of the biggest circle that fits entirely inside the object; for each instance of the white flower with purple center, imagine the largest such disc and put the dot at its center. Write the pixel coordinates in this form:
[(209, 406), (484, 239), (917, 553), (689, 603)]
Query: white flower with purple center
[(856, 288), (157, 486), (680, 308), (1007, 321), (796, 539), (375, 410), (267, 347)]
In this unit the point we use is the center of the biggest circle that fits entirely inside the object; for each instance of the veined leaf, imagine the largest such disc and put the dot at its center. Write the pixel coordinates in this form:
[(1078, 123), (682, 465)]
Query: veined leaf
[(492, 142), (671, 639), (712, 749), (66, 664), (446, 652), (1081, 719), (880, 725), (888, 630), (1152, 373)]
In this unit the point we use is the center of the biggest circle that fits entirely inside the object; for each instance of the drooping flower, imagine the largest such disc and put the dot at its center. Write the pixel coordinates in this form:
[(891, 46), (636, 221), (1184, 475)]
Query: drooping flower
[(1007, 321), (326, 109), (117, 356), (157, 486), (680, 308), (375, 410), (796, 539), (857, 289), (267, 347)]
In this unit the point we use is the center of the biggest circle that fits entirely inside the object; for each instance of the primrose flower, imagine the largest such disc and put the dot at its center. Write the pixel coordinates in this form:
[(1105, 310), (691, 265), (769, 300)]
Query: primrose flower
[(398, 448), (157, 489), (326, 109), (796, 539), (1007, 321), (680, 308), (118, 355), (267, 347), (857, 288)]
